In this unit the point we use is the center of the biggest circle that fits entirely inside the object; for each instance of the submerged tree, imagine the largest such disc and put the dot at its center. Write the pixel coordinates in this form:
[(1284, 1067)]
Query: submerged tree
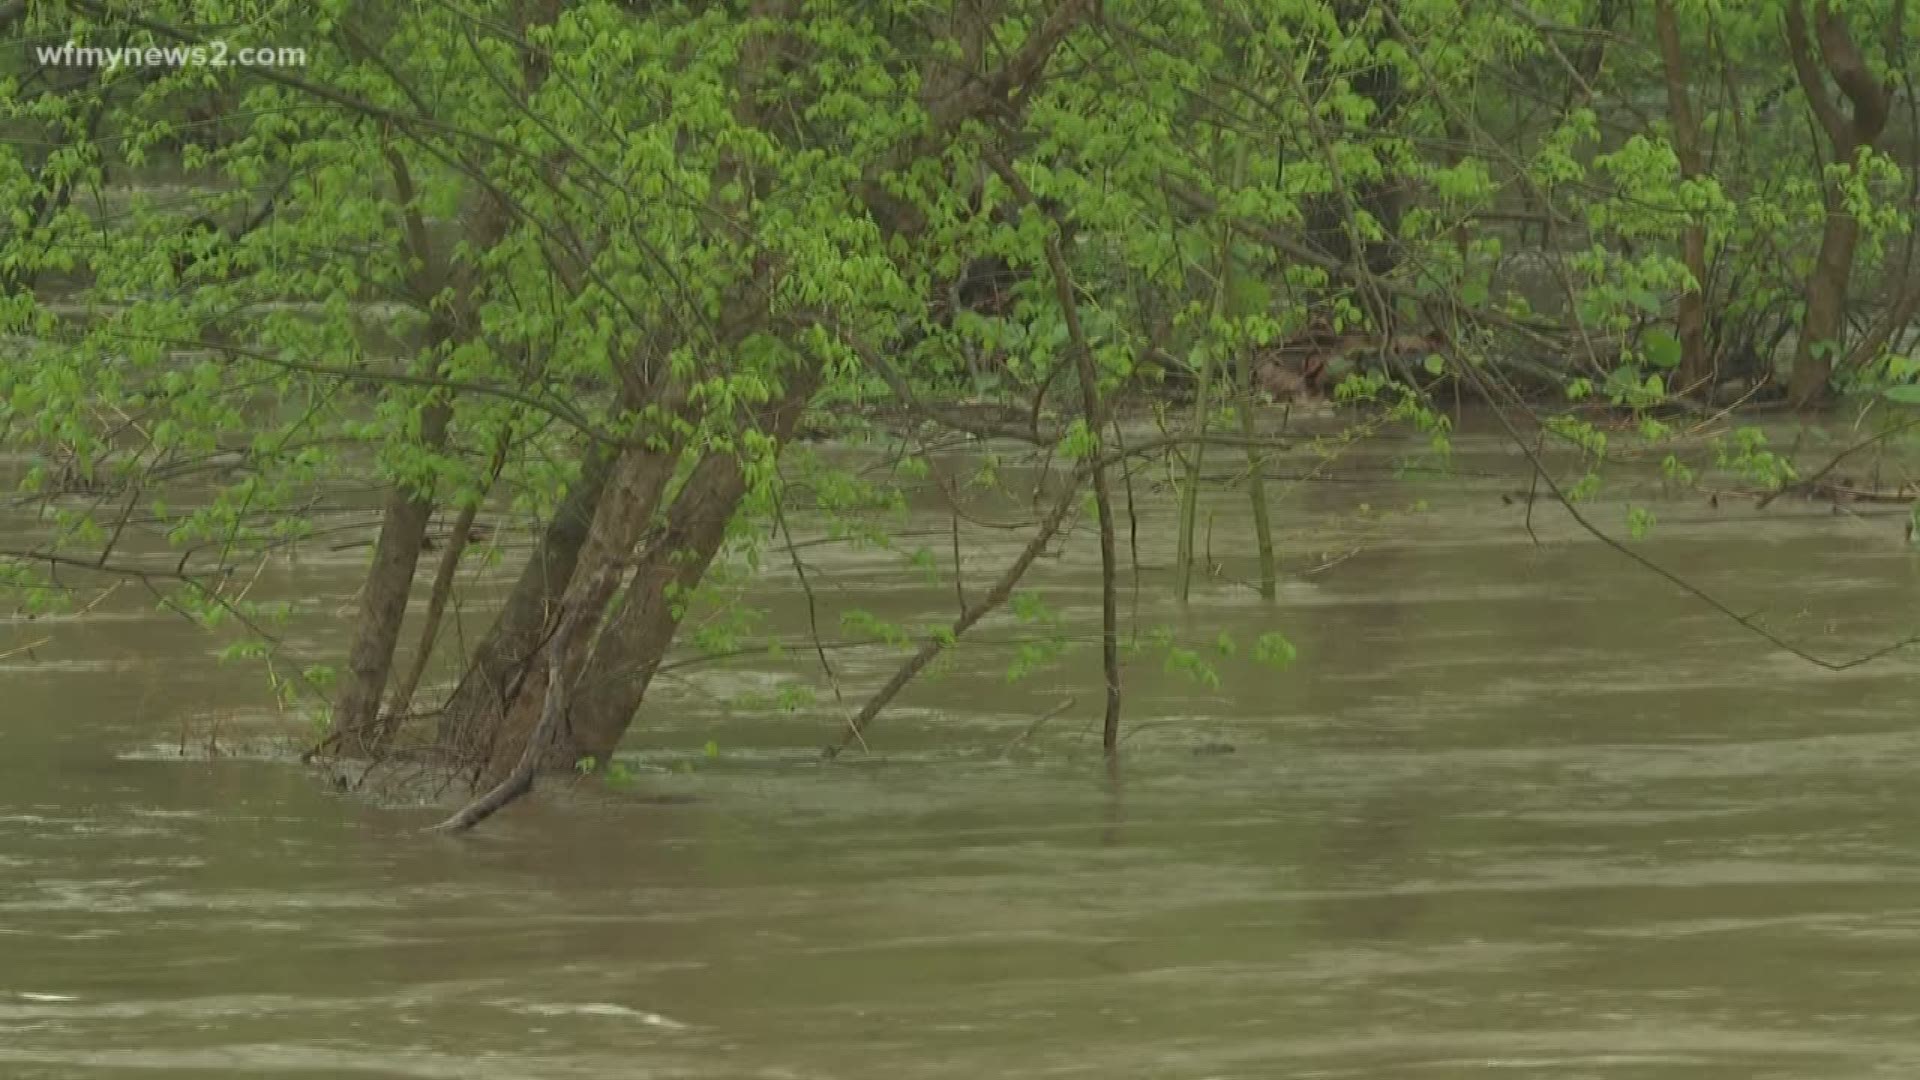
[(599, 262)]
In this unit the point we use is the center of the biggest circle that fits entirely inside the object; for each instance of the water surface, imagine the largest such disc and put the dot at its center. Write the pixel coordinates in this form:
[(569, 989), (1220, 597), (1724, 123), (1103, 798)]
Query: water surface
[(1519, 810)]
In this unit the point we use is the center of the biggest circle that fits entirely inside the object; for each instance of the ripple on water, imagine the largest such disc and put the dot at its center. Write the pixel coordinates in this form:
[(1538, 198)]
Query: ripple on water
[(1516, 811)]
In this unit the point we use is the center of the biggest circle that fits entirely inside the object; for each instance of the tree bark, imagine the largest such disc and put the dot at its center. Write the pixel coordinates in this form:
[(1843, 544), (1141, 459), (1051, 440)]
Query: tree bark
[(639, 478), (383, 601), (1825, 322), (400, 702), (479, 701), (1848, 133), (560, 650), (637, 637)]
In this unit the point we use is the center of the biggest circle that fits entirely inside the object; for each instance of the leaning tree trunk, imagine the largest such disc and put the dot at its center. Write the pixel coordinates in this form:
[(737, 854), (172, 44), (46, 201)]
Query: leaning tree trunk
[(639, 634), (562, 647), (400, 702), (383, 600), (639, 479), (479, 701)]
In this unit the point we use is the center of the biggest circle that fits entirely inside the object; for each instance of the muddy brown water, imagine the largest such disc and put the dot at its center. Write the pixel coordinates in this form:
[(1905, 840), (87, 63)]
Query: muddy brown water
[(1519, 810)]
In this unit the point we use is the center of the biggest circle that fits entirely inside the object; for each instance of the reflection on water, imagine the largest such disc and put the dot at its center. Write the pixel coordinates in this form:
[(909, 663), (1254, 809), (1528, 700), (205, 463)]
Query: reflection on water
[(1519, 811)]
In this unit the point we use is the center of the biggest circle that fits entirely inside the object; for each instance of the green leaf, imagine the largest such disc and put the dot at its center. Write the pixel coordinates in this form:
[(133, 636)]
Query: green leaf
[(1908, 394), (1639, 522), (1663, 349), (1274, 650)]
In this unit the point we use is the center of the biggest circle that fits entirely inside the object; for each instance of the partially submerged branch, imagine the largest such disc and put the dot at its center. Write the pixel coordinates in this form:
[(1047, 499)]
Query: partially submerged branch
[(980, 609)]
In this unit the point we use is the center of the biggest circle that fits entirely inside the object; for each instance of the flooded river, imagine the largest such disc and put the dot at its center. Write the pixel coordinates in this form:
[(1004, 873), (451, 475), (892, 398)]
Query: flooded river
[(1518, 810)]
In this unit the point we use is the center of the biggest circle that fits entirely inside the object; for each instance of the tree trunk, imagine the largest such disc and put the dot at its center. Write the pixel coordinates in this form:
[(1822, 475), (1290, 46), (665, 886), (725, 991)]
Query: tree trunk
[(478, 703), (637, 637), (639, 478), (562, 648), (400, 702), (1870, 100), (383, 600), (1094, 412), (389, 585), (1821, 331)]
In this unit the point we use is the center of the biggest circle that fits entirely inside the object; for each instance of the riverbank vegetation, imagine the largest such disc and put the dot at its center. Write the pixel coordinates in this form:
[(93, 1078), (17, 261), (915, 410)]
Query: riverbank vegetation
[(613, 269)]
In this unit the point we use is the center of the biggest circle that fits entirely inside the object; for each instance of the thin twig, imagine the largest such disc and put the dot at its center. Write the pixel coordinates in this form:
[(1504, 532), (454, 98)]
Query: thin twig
[(1748, 622), (806, 587), (1095, 415), (1034, 727)]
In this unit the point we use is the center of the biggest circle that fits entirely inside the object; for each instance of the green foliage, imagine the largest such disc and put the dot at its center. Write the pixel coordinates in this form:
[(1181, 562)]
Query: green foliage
[(1639, 522), (244, 304), (861, 623), (1745, 452), (1273, 650), (618, 775)]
